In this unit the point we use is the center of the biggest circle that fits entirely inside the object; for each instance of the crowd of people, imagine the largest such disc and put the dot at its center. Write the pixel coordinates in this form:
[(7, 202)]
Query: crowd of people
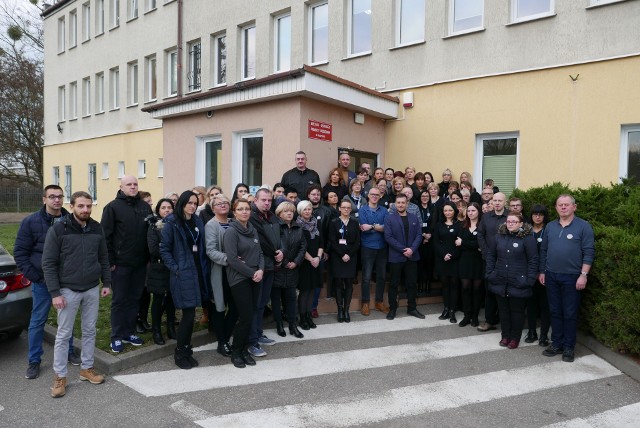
[(235, 255)]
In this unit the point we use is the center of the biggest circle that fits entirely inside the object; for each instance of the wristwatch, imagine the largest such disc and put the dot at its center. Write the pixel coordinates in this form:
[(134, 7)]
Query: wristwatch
[(583, 273)]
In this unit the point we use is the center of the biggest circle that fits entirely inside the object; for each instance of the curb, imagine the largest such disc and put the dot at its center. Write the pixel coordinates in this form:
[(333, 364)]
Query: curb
[(622, 362), (112, 363)]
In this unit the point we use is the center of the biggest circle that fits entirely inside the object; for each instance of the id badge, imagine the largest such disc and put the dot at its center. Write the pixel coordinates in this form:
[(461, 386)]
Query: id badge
[(194, 248), (342, 242), (425, 224)]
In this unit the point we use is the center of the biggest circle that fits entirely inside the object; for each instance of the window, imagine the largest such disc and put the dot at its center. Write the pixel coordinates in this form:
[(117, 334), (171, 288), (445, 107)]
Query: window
[(121, 169), (114, 85), (160, 168), (86, 22), (132, 83), (249, 52), (115, 13), (172, 72), (100, 93), (219, 59), (142, 168), (359, 35), (55, 175), (99, 17), (67, 183), (523, 10), (151, 81), (252, 160), (630, 153), (62, 104), (465, 15), (213, 159), (282, 43), (319, 33), (132, 9), (61, 35), (105, 170), (497, 158), (92, 182), (86, 96), (73, 100), (410, 22), (193, 74), (73, 29), (151, 5)]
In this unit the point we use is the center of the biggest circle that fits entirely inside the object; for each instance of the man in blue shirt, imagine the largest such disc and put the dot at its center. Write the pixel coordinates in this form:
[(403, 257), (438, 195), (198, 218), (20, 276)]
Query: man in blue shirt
[(566, 255), (373, 249)]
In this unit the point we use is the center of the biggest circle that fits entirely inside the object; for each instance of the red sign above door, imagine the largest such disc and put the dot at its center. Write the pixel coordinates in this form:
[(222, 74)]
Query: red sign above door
[(320, 130)]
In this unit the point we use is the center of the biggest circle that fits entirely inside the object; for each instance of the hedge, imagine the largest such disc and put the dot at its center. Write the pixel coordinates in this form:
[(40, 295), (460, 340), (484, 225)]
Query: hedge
[(611, 303)]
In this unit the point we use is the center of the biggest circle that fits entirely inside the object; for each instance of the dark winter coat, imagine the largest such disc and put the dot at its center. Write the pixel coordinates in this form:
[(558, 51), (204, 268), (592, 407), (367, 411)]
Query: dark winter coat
[(488, 230), (75, 257), (177, 255), (444, 242), (157, 272), (125, 228), (294, 245), (29, 244), (512, 262), (269, 235)]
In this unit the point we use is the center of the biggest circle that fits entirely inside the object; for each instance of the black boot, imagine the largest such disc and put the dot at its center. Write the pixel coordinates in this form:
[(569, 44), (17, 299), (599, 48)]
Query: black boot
[(180, 358), (532, 336), (452, 316), (303, 322), (544, 340), (157, 336), (347, 317), (340, 313), (348, 292), (310, 322), (280, 329), (445, 314), (189, 355), (293, 330)]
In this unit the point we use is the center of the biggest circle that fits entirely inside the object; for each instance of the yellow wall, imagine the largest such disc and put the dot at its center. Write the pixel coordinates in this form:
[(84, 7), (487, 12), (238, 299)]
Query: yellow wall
[(569, 131), (130, 147)]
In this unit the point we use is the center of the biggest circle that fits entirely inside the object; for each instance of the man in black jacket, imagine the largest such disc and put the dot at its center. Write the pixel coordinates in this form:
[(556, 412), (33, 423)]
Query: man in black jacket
[(125, 230), (300, 177), (74, 260)]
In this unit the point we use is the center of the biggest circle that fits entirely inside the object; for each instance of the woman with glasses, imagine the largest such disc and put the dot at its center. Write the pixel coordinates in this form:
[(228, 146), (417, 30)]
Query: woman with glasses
[(384, 201), (183, 252), (344, 244), (244, 272), (512, 268)]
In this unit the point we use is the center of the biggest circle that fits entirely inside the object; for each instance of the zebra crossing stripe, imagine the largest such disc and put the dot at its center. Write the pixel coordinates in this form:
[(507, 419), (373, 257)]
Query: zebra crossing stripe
[(212, 377), (332, 330), (419, 399), (627, 416)]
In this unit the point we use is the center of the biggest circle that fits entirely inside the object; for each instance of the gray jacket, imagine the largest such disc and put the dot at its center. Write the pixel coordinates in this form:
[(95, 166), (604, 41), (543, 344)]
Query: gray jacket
[(214, 234), (244, 255)]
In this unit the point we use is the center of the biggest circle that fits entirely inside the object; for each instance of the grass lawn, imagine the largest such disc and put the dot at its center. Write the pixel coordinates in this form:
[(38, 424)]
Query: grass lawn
[(8, 234)]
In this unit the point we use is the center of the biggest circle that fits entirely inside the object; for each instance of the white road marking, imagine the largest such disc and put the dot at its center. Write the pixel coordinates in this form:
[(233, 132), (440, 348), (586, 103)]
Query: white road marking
[(1, 408), (203, 378), (327, 331), (627, 416), (190, 411), (419, 399)]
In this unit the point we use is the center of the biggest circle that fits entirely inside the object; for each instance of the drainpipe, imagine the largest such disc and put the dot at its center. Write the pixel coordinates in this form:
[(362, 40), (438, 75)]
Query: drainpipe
[(179, 64)]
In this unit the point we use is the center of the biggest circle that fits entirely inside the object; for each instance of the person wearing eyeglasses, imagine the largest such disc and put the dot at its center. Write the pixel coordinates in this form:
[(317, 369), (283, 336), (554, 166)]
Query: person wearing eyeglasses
[(515, 205), (512, 268)]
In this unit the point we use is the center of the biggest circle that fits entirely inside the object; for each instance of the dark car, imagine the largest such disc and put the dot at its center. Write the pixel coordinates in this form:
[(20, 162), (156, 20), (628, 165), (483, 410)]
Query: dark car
[(15, 297)]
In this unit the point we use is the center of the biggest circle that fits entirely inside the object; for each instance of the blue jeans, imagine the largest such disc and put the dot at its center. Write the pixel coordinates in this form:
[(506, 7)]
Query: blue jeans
[(39, 314), (370, 258), (564, 304), (258, 313)]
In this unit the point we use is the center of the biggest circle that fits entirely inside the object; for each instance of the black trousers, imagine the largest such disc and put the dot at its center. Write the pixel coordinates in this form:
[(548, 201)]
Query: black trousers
[(511, 316), (289, 295), (185, 330), (127, 284), (538, 305), (145, 302), (161, 303), (223, 322), (490, 307), (245, 294), (410, 270)]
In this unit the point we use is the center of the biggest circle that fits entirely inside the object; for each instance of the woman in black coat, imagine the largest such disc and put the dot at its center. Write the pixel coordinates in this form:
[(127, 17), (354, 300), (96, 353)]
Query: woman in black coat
[(344, 244), (158, 275), (471, 266), (286, 276), (512, 268), (447, 254)]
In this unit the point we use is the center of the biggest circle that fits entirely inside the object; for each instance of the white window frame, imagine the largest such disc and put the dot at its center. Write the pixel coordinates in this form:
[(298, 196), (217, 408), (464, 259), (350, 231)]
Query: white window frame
[(194, 65), (62, 37), (132, 9), (92, 181), (55, 175), (237, 151), (452, 22), (105, 170), (99, 17), (217, 59), (244, 47), (277, 30), (160, 167), (132, 84), (73, 100), (623, 165), (142, 168), (479, 155), (115, 13), (350, 30), (73, 29), (312, 8), (151, 79), (515, 8), (99, 93), (62, 103), (121, 169), (172, 72), (86, 21), (86, 96), (68, 183), (399, 25), (114, 88)]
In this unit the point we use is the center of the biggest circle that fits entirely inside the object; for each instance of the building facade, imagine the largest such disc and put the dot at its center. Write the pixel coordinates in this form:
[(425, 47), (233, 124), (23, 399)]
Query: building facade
[(192, 92)]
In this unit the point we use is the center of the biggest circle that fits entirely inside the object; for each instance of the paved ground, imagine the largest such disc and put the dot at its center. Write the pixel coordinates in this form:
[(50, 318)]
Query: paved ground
[(373, 372)]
